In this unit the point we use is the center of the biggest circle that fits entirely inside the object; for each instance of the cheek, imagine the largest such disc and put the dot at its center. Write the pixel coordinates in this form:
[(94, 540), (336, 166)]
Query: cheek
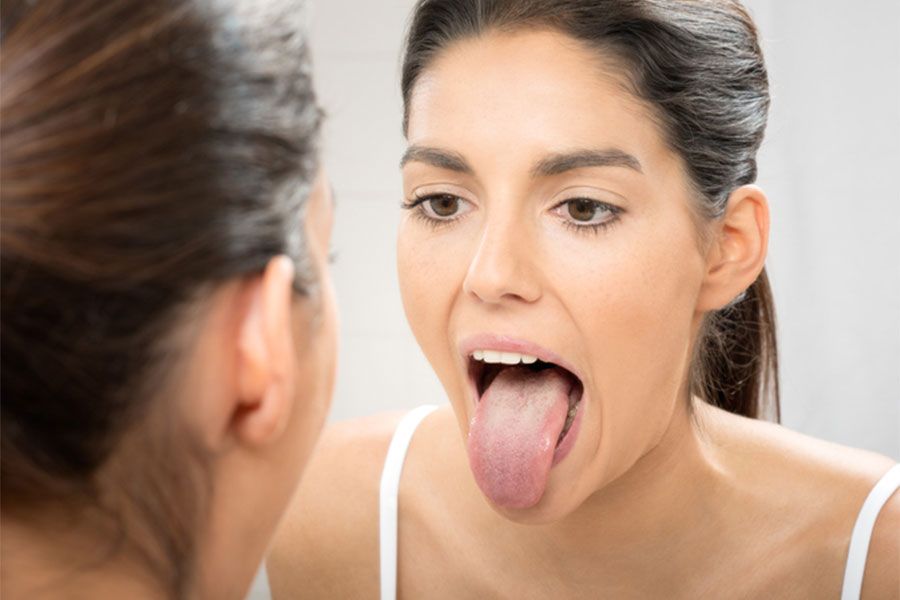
[(316, 331), (430, 270), (328, 353), (413, 287), (638, 327), (315, 383), (425, 269), (656, 293)]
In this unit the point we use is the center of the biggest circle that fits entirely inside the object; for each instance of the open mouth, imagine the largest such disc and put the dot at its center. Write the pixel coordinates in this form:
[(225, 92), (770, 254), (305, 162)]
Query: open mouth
[(526, 417), (484, 366)]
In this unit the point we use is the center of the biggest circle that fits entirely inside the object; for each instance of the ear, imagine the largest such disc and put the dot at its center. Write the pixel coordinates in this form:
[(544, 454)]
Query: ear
[(265, 357), (737, 253)]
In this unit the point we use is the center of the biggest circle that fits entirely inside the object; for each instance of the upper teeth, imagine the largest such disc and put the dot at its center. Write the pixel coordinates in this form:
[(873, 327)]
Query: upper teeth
[(506, 358)]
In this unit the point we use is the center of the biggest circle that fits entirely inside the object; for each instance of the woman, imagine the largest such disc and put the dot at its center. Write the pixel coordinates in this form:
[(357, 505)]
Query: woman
[(168, 325), (582, 261)]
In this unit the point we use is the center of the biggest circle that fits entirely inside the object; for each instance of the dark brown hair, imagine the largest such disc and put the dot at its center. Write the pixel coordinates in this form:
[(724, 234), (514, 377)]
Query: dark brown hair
[(698, 64), (151, 150)]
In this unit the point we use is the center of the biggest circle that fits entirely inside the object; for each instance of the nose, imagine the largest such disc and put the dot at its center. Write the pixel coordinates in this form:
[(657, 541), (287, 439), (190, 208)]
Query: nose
[(504, 266)]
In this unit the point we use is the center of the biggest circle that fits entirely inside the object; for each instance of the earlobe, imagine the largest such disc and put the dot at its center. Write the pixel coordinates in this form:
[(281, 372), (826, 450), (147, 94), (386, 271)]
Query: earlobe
[(265, 381), (737, 254)]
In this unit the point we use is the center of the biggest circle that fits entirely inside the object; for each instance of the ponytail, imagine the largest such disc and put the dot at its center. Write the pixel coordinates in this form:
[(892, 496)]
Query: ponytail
[(735, 364)]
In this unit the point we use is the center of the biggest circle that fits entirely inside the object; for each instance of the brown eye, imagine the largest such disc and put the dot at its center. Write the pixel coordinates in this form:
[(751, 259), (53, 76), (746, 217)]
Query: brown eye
[(440, 208), (586, 214), (582, 210), (444, 205)]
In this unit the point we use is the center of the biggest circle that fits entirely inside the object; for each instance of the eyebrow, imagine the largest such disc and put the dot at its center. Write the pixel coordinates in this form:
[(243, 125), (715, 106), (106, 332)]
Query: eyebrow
[(443, 159), (554, 164), (609, 157)]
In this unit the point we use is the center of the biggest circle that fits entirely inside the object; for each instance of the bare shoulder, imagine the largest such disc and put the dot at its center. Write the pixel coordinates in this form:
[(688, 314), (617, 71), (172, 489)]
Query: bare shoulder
[(327, 544), (773, 450), (848, 475), (817, 488)]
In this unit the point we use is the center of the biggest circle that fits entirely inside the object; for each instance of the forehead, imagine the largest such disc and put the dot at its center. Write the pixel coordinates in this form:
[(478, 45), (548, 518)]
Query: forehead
[(530, 91)]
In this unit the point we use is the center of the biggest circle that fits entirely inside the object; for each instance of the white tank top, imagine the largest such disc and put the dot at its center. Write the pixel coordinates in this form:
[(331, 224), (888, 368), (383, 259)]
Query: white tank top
[(390, 485)]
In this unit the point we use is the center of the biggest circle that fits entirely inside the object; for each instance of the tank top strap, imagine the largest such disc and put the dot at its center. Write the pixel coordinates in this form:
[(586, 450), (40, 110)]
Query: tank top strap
[(387, 504), (862, 532)]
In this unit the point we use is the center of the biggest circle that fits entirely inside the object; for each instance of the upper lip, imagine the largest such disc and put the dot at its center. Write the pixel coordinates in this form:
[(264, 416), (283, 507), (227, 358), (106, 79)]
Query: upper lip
[(506, 343)]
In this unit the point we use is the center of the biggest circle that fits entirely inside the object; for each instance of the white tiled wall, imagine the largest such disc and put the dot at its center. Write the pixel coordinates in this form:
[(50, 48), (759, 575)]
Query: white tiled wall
[(830, 164)]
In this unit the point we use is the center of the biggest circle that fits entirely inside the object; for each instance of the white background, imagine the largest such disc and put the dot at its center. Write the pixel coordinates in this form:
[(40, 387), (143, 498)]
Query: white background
[(830, 165)]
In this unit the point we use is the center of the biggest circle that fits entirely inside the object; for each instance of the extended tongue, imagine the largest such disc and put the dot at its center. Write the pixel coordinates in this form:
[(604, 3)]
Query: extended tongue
[(514, 432)]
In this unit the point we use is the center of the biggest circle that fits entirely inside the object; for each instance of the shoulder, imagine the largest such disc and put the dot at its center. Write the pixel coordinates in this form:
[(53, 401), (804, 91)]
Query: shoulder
[(801, 461), (332, 522), (818, 488)]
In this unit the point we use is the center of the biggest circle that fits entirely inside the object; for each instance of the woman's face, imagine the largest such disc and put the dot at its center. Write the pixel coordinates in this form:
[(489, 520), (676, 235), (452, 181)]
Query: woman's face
[(547, 219)]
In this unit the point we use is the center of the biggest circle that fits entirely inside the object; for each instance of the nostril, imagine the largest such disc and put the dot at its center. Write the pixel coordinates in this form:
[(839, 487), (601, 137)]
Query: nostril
[(497, 285)]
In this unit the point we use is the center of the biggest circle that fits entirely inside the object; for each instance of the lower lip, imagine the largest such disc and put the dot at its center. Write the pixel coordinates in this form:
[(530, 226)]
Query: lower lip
[(569, 440)]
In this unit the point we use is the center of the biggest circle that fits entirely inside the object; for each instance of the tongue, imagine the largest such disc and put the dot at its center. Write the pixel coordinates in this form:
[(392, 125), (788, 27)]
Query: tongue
[(514, 433)]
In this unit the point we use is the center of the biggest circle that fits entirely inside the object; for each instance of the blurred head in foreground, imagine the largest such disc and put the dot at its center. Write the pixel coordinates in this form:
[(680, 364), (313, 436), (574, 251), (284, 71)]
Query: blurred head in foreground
[(168, 323)]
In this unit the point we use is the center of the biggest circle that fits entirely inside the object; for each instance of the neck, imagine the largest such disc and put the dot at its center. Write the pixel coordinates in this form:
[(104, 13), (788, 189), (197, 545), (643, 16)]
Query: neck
[(49, 557), (672, 495)]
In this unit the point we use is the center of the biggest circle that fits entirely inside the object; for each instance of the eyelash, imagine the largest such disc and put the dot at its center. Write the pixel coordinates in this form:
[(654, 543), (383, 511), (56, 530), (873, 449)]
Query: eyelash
[(415, 205), (588, 229), (591, 228)]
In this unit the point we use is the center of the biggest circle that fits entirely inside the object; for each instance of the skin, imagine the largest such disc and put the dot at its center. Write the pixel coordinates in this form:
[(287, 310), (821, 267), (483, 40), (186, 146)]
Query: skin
[(253, 392), (661, 495), (286, 357)]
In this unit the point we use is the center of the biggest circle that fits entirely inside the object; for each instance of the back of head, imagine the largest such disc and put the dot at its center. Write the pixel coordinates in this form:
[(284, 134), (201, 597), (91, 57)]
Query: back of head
[(151, 151)]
